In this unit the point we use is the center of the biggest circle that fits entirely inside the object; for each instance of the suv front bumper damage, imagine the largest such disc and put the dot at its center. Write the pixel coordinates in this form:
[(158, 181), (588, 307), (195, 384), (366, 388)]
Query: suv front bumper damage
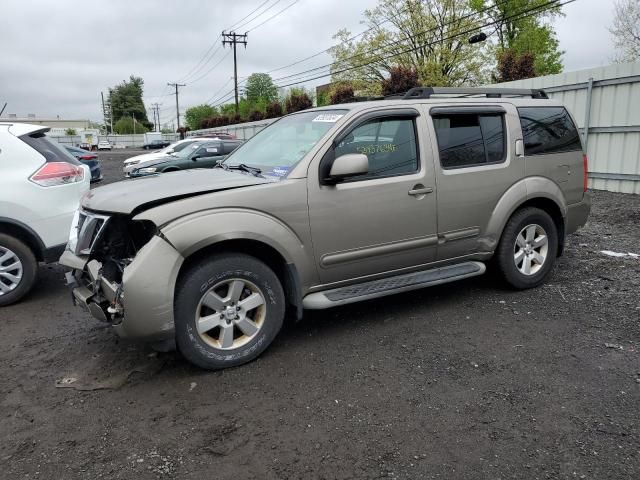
[(141, 307)]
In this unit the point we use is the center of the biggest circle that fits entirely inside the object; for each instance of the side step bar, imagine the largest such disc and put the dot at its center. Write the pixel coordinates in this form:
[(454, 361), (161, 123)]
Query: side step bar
[(391, 285)]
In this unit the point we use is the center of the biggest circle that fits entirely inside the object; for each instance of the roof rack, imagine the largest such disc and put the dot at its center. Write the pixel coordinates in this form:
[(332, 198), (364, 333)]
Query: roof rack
[(429, 92)]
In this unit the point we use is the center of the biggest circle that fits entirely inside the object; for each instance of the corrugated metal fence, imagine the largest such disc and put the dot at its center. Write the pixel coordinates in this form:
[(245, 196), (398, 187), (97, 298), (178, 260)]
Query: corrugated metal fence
[(242, 131), (606, 104), (117, 141)]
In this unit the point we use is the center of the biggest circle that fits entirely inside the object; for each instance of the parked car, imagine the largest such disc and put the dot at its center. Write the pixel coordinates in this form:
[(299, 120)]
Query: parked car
[(156, 144), (203, 154), (299, 217), (129, 163), (40, 189), (104, 145), (89, 159)]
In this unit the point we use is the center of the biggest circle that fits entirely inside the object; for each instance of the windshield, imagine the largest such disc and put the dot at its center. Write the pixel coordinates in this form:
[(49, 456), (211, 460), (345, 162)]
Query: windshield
[(176, 147), (186, 151), (277, 148)]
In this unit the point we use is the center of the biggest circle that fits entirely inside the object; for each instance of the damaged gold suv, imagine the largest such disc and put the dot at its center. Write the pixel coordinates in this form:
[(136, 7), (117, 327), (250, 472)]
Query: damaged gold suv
[(331, 206)]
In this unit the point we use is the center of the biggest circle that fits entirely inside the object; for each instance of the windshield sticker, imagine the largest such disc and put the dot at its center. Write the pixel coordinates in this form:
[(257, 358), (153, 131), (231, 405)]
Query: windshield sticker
[(328, 118), (279, 171), (212, 150)]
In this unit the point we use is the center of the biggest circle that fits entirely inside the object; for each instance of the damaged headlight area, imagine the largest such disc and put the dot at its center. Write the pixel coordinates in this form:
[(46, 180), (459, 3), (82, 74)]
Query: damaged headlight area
[(109, 243)]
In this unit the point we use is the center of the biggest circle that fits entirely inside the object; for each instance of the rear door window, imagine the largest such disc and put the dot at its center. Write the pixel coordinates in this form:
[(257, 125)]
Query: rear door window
[(548, 130), (470, 139)]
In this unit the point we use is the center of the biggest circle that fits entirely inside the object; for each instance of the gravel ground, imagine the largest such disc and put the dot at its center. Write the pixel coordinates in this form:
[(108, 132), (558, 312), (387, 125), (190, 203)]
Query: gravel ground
[(467, 380)]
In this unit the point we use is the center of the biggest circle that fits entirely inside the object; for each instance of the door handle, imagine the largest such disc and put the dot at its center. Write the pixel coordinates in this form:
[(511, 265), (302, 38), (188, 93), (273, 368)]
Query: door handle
[(420, 190)]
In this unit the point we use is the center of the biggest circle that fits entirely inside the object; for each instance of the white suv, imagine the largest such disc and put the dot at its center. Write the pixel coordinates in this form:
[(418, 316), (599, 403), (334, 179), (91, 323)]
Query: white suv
[(40, 188)]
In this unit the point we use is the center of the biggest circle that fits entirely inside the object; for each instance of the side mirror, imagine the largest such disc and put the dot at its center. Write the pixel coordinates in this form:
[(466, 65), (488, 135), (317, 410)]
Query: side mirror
[(195, 157), (348, 165)]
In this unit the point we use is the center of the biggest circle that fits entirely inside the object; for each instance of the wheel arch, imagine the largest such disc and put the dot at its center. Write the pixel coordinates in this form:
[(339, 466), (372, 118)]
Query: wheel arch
[(537, 192), (25, 234), (285, 271)]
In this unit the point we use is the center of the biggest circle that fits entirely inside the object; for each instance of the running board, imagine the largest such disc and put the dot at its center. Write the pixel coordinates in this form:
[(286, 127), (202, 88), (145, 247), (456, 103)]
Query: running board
[(391, 285)]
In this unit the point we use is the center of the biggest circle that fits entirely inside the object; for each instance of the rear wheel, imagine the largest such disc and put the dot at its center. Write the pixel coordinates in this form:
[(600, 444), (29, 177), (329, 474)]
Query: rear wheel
[(528, 248), (227, 311), (18, 269)]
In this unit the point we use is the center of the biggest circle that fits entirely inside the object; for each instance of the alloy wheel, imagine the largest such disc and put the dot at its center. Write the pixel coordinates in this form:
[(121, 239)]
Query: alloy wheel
[(10, 271), (531, 249), (230, 314)]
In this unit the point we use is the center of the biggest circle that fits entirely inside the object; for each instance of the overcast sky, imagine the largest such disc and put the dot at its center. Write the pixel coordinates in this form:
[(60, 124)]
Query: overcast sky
[(56, 57)]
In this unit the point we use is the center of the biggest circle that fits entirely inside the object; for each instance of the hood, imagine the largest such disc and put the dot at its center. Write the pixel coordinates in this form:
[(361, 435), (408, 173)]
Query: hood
[(141, 193), (145, 156)]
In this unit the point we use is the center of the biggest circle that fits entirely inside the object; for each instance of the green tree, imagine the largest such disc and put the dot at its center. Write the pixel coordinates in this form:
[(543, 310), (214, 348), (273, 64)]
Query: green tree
[(194, 116), (70, 132), (260, 88), (416, 34), (125, 100), (525, 35), (127, 125)]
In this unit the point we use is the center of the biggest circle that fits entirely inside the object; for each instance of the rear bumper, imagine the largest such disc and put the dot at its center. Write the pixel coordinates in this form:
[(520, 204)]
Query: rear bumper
[(141, 306), (578, 213)]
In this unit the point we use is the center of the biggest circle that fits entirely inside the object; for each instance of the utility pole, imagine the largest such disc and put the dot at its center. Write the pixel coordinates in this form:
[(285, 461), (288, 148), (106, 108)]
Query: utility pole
[(106, 114), (234, 39), (156, 115), (176, 85)]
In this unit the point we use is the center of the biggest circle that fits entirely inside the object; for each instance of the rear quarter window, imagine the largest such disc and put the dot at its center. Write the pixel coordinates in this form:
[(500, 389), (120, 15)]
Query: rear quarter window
[(51, 151), (547, 130)]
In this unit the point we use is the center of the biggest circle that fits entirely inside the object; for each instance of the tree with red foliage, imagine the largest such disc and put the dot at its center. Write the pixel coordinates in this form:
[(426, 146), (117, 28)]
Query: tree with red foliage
[(401, 79), (274, 110), (297, 100), (342, 93), (512, 66)]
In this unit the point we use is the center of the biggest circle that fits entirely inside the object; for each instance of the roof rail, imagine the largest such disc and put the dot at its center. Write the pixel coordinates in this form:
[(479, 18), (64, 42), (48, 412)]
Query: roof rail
[(428, 92)]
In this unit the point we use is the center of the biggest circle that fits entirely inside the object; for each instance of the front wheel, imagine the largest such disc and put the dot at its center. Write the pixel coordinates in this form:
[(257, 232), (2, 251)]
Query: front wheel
[(228, 310), (528, 248)]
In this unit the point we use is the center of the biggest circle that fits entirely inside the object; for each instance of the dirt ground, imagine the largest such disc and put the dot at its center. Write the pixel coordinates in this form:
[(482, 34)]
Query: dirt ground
[(462, 381)]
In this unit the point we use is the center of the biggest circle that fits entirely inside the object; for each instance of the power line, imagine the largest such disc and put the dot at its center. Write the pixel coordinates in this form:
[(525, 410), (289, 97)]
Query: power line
[(210, 53), (218, 91), (210, 70), (249, 14), (238, 27), (466, 32), (273, 16), (396, 42), (326, 50)]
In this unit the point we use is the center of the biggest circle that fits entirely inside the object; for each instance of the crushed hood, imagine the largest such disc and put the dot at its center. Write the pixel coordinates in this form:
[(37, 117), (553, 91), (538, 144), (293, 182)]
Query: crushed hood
[(141, 193)]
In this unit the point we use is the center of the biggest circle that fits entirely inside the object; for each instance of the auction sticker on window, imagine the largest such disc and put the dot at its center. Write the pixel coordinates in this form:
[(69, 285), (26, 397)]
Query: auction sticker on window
[(328, 117), (279, 171)]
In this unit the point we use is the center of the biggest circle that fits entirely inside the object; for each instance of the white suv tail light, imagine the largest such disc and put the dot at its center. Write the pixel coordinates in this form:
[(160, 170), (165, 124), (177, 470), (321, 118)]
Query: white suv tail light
[(52, 174)]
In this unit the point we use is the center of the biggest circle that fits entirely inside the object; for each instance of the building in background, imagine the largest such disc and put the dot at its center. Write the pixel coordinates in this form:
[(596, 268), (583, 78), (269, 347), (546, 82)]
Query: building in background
[(47, 122)]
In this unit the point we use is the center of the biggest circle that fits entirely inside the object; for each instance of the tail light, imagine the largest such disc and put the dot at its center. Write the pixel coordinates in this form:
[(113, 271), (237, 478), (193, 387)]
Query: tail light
[(52, 174), (585, 166), (87, 157)]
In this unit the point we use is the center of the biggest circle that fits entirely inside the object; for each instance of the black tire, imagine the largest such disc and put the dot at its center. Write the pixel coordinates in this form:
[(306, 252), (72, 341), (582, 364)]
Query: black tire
[(507, 248), (29, 268), (195, 284)]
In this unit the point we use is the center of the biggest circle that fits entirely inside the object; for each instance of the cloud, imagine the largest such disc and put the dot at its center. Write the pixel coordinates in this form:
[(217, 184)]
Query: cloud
[(58, 57)]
